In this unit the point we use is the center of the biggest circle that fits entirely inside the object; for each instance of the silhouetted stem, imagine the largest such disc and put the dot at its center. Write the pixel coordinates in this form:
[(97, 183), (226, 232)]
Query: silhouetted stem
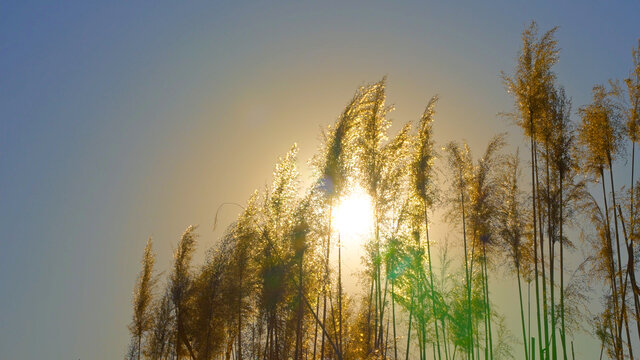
[(612, 270), (623, 302), (545, 309), (524, 332), (409, 330), (433, 293)]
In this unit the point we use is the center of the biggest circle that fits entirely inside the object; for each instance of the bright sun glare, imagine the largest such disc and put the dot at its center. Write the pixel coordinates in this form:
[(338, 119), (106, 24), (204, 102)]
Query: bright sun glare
[(354, 215)]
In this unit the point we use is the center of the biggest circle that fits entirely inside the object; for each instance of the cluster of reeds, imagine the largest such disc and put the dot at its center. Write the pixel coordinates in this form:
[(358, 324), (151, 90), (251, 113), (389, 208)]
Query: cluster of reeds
[(270, 289)]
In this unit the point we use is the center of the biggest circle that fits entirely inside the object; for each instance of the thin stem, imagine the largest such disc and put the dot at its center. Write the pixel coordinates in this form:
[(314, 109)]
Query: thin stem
[(433, 293), (466, 264), (524, 332), (326, 281), (623, 302), (486, 272), (612, 270), (409, 330), (544, 280), (393, 311), (630, 251), (340, 292), (563, 335), (550, 228), (535, 229)]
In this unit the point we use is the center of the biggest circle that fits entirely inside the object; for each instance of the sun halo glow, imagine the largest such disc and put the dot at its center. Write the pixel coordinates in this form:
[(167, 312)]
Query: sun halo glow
[(353, 216)]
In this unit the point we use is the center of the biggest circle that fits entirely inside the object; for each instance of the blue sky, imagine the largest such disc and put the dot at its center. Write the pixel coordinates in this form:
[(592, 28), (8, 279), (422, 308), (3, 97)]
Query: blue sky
[(121, 120)]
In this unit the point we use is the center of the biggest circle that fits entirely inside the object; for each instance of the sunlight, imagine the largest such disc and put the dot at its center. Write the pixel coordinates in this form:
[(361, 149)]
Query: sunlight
[(353, 216)]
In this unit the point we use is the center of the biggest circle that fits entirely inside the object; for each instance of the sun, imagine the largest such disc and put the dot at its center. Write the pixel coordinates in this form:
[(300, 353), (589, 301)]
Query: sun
[(353, 216)]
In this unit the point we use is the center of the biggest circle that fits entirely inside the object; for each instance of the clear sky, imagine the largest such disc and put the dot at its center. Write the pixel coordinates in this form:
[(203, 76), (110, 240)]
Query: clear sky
[(121, 120)]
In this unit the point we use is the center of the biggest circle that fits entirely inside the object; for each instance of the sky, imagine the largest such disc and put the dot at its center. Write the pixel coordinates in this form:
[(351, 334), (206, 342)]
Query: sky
[(124, 120)]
